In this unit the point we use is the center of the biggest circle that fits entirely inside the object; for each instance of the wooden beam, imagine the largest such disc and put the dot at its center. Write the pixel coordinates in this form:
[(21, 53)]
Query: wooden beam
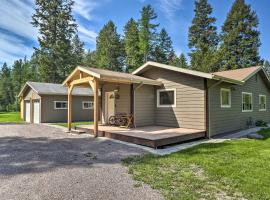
[(81, 75), (70, 88), (82, 80), (94, 84)]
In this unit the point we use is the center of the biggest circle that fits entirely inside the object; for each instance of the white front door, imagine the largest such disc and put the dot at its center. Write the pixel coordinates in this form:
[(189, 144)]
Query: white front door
[(36, 112), (109, 105), (27, 111)]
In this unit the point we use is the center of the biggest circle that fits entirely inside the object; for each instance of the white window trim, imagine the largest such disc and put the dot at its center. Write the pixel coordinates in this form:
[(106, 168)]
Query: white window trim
[(59, 108), (251, 102), (166, 106), (262, 95), (87, 108), (230, 102)]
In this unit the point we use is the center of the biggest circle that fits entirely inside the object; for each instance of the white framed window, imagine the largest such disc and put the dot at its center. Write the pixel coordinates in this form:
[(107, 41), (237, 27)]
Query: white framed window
[(87, 104), (262, 102), (247, 105), (166, 98), (225, 98), (60, 105)]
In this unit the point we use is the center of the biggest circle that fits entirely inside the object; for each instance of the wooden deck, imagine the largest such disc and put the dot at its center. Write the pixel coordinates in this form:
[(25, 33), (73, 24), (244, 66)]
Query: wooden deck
[(151, 136)]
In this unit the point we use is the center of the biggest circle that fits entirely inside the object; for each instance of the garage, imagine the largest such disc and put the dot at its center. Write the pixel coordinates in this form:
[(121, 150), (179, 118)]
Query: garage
[(46, 103), (36, 111), (27, 111)]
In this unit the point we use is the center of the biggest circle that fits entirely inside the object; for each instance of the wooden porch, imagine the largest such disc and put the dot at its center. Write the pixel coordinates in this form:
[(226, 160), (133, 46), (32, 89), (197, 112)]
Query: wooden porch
[(151, 136)]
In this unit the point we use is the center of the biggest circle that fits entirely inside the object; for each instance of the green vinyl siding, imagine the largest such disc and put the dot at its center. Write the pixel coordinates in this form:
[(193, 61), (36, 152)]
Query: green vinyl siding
[(223, 120)]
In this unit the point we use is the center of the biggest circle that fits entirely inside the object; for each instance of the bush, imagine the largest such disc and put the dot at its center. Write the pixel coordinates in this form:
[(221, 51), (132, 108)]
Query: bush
[(261, 123)]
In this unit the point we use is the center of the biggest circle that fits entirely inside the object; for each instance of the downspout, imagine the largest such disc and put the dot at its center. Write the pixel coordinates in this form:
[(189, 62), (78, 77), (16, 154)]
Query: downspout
[(134, 102), (208, 105)]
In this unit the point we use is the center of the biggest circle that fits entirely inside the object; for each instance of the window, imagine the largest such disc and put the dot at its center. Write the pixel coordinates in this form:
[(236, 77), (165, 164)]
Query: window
[(225, 98), (60, 105), (262, 103), (166, 98), (87, 104), (246, 102)]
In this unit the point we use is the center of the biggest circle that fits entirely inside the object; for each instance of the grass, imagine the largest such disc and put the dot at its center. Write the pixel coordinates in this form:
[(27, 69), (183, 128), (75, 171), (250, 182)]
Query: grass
[(233, 169), (74, 124), (10, 117)]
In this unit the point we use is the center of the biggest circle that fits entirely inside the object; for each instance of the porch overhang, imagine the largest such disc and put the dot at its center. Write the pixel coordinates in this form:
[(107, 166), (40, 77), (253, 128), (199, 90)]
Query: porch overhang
[(94, 77), (82, 75)]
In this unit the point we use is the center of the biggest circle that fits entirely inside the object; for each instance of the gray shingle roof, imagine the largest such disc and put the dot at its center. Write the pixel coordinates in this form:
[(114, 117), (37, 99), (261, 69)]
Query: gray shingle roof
[(58, 89)]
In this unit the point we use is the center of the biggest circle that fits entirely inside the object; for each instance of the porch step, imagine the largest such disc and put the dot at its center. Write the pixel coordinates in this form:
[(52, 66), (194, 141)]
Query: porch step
[(76, 131)]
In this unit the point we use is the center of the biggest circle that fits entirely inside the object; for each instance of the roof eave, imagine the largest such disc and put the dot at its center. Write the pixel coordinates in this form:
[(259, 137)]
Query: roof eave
[(168, 67), (228, 80)]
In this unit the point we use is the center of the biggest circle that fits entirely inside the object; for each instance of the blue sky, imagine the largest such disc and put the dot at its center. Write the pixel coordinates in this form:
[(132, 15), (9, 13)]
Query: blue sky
[(18, 36)]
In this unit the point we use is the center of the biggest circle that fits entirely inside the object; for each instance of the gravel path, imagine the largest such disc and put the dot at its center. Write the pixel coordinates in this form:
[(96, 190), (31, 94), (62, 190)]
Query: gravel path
[(41, 162)]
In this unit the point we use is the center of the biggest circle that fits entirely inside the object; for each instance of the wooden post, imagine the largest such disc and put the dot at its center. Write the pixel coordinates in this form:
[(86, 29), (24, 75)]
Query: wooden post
[(94, 85), (70, 88)]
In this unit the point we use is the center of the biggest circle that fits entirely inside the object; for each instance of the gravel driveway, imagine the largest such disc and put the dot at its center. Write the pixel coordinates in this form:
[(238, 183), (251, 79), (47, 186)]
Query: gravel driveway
[(41, 162)]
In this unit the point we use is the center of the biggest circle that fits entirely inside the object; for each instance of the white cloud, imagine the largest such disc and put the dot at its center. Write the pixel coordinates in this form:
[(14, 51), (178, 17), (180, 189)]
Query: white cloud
[(16, 18), (13, 48), (169, 7), (18, 34), (87, 34), (85, 8)]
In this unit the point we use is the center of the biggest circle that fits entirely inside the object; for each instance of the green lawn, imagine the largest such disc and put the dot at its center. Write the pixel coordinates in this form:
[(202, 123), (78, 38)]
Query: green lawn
[(232, 169), (10, 117), (74, 124)]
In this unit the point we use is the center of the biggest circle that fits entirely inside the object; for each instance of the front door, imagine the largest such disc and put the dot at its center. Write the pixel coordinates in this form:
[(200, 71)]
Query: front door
[(109, 105)]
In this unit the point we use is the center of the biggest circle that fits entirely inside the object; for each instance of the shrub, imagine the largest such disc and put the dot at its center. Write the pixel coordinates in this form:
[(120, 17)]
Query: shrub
[(261, 123)]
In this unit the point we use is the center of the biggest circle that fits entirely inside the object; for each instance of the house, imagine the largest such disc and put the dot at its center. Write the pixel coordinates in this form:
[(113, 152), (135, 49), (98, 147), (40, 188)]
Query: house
[(47, 102), (162, 95)]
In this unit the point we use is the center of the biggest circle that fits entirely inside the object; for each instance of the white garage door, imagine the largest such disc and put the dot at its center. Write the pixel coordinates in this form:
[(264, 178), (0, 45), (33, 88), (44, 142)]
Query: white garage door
[(36, 112), (27, 111)]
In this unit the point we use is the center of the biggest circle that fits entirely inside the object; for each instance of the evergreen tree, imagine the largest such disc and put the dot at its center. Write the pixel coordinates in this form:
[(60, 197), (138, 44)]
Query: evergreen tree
[(90, 59), (56, 28), (203, 38), (132, 48), (240, 38), (180, 61), (147, 32), (163, 50), (18, 75), (109, 48), (77, 51), (183, 61), (34, 68), (266, 65), (6, 89)]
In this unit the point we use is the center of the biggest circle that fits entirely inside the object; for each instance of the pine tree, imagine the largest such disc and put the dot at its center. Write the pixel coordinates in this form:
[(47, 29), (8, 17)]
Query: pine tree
[(203, 38), (266, 65), (183, 61), (90, 59), (147, 32), (180, 61), (77, 51), (163, 51), (240, 38), (132, 48), (109, 48), (56, 27), (6, 89), (34, 68)]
